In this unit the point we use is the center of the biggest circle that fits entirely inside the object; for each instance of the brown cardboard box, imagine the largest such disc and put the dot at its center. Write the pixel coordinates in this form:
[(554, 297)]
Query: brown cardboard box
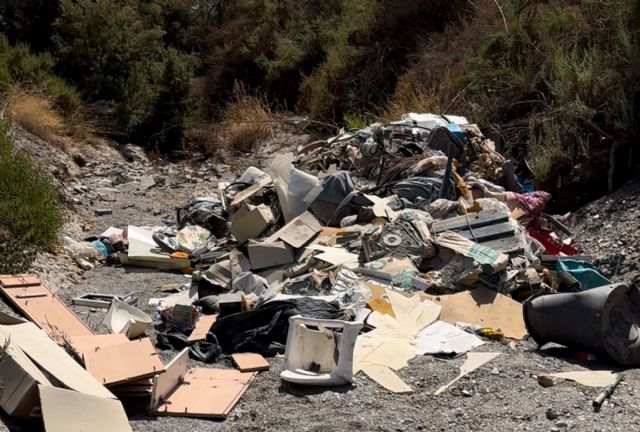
[(250, 221), (263, 255)]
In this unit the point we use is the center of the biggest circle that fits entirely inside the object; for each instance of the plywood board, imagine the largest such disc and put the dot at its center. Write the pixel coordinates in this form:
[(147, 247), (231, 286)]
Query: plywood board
[(486, 308), (250, 362), (124, 362), (83, 344), (44, 308), (202, 327), (9, 281), (207, 393), (26, 340), (68, 411), (165, 383)]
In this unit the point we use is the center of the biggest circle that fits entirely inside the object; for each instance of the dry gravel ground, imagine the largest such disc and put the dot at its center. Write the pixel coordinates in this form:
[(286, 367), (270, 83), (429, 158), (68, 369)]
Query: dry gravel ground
[(503, 395)]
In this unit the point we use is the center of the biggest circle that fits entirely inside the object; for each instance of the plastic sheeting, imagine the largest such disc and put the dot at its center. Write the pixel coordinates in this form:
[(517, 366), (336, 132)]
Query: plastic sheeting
[(296, 189), (264, 328)]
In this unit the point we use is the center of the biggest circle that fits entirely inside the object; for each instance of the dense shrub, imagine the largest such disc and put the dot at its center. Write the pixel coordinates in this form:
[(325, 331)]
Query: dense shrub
[(115, 53), (34, 72), (326, 58), (558, 80), (30, 212)]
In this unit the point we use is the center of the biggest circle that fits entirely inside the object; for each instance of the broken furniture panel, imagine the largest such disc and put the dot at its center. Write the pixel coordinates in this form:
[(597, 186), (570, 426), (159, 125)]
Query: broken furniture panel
[(44, 308), (124, 362), (200, 392), (250, 362), (84, 344), (203, 325), (102, 300), (33, 358)]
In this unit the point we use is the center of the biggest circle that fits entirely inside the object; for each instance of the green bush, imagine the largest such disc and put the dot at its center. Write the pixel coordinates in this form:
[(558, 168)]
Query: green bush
[(325, 58), (114, 51), (30, 211), (20, 67), (558, 80)]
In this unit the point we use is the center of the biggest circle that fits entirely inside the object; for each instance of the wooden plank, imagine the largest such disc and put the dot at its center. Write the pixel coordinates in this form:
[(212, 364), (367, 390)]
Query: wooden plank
[(124, 362), (489, 217), (207, 392), (202, 327), (44, 308), (250, 362), (9, 281)]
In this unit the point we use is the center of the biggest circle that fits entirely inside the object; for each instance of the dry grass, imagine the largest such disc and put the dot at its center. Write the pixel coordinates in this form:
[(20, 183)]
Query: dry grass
[(245, 121), (34, 113)]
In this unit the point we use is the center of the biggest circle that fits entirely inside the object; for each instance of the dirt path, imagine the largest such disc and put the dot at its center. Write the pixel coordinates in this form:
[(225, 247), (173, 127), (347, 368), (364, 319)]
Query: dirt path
[(503, 395)]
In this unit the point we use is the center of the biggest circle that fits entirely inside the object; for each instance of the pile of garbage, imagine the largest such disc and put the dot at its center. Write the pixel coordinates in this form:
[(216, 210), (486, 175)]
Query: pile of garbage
[(356, 254)]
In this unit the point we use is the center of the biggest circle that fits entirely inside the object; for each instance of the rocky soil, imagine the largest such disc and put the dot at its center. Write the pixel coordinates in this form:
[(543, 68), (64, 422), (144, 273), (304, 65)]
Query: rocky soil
[(609, 230), (503, 395)]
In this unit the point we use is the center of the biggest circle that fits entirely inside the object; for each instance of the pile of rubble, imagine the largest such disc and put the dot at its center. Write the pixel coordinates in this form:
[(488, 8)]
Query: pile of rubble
[(353, 255)]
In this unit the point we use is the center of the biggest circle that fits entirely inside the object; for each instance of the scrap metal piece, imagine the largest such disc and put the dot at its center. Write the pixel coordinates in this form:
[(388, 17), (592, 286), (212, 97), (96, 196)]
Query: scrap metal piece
[(97, 300)]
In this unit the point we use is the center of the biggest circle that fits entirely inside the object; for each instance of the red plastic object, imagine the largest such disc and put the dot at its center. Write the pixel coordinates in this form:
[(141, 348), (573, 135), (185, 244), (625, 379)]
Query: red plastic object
[(552, 244)]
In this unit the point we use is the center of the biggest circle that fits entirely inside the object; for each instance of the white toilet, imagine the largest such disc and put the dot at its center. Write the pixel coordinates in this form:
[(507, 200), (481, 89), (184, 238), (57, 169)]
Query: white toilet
[(319, 356)]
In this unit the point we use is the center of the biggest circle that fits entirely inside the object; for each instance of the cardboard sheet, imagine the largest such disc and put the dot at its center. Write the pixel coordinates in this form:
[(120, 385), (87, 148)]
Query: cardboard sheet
[(411, 312), (444, 338), (265, 255), (298, 232), (474, 361), (124, 362), (250, 362), (387, 378), (44, 308), (250, 221), (67, 411), (396, 270), (486, 308), (335, 255), (598, 378), (391, 344), (203, 325)]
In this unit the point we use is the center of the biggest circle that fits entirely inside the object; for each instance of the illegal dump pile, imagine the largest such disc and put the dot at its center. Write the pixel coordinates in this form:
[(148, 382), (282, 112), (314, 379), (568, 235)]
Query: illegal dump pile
[(352, 256)]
